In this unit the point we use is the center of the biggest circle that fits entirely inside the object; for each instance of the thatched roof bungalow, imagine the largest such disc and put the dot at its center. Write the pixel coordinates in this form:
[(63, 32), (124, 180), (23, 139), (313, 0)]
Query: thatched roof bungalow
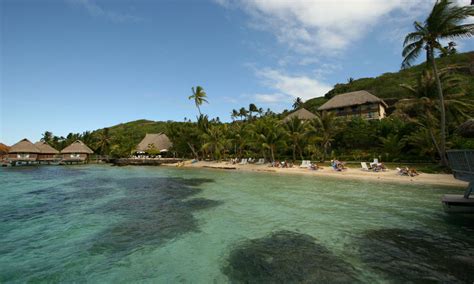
[(76, 152), (154, 142), (23, 151), (356, 104), (302, 114), (3, 151), (47, 153)]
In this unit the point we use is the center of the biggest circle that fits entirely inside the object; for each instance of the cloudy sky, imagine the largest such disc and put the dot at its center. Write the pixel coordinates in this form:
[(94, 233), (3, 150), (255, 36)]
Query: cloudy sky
[(76, 65)]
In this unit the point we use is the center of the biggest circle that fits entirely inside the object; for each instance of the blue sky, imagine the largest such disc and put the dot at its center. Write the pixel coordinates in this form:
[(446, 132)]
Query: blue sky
[(76, 65)]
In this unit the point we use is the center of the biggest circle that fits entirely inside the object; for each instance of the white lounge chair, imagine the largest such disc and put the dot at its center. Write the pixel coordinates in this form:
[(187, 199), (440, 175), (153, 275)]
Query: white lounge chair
[(243, 162), (261, 161), (364, 166), (305, 164)]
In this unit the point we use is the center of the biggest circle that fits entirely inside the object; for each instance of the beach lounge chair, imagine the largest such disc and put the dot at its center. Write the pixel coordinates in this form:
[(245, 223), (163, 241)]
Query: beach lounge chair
[(261, 161), (243, 162), (305, 164), (364, 166)]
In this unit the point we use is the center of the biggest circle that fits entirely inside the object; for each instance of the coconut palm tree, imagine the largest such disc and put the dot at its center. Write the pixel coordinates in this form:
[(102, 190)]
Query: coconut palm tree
[(298, 103), (324, 128), (252, 108), (234, 114), (103, 142), (421, 107), (446, 21), (199, 96), (243, 113), (215, 141), (47, 137), (295, 128)]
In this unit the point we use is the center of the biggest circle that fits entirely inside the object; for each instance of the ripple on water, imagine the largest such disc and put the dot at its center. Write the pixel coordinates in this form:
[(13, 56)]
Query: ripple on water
[(286, 257), (415, 255)]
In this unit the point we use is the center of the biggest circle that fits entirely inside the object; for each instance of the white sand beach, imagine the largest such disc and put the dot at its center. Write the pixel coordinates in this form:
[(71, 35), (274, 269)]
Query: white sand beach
[(390, 175)]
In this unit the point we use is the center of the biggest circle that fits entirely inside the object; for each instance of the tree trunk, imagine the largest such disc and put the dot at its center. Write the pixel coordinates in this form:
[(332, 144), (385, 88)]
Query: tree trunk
[(294, 151), (442, 142), (325, 152), (271, 152), (196, 156), (301, 152), (434, 142)]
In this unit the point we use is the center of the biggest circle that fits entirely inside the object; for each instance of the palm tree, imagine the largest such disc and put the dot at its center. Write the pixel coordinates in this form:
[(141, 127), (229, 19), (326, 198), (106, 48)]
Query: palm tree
[(269, 135), (444, 22), (252, 108), (215, 141), (103, 143), (243, 112), (324, 128), (295, 128), (234, 114), (199, 97), (297, 103), (422, 109), (47, 137)]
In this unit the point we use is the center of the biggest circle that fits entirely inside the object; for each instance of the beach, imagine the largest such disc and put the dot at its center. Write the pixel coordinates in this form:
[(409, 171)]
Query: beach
[(390, 175)]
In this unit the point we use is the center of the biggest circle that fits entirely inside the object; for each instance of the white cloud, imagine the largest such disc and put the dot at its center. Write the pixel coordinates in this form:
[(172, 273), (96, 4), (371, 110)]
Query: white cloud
[(324, 26), (272, 98), (95, 10), (289, 87)]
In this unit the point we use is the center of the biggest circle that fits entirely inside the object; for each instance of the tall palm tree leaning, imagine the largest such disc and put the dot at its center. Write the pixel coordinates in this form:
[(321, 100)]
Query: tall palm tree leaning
[(444, 22), (199, 97)]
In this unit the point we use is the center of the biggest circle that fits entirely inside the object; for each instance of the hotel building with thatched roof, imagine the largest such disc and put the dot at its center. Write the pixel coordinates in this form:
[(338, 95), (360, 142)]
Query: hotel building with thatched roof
[(356, 104), (23, 152), (302, 114), (47, 153), (154, 143), (77, 152)]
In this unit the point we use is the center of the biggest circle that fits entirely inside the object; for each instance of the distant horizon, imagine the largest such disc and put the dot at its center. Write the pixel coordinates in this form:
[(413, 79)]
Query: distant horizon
[(97, 63)]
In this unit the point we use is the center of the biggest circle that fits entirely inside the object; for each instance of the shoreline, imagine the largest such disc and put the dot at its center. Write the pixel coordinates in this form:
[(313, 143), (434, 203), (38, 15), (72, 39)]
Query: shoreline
[(389, 176)]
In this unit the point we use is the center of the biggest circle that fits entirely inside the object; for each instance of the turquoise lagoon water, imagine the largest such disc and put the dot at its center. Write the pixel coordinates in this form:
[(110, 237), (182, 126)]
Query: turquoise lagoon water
[(166, 225)]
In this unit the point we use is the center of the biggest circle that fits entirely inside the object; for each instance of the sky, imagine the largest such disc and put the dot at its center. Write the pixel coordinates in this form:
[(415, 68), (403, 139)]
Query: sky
[(76, 65)]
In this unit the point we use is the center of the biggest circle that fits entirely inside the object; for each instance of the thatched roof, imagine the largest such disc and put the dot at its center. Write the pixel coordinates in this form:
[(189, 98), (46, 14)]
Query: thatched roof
[(302, 114), (466, 129), (156, 141), (24, 146), (3, 148), (77, 147), (45, 148), (351, 99)]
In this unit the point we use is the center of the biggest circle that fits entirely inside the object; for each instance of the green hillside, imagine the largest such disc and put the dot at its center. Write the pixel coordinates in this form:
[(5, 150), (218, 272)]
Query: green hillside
[(387, 85)]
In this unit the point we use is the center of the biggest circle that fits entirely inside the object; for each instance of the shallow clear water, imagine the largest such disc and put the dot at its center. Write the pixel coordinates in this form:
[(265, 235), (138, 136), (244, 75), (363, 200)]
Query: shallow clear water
[(152, 224)]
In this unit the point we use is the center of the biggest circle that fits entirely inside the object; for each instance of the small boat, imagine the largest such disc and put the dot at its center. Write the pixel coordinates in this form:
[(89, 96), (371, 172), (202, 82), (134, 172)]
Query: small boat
[(462, 165)]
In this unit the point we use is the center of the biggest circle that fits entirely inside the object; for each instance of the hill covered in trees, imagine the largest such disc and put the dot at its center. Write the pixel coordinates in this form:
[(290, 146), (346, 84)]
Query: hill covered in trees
[(387, 85)]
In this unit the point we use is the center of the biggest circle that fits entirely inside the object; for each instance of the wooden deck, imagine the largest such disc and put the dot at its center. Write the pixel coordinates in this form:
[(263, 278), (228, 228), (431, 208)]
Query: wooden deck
[(454, 203)]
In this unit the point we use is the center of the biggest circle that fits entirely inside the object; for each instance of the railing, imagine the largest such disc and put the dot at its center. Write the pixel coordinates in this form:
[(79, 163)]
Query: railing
[(462, 164)]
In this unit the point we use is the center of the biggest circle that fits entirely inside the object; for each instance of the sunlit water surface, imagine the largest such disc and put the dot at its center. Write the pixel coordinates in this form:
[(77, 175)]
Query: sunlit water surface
[(155, 224)]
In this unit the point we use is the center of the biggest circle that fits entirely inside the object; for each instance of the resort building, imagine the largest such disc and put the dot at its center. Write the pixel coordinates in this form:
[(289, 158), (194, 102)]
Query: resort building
[(23, 152), (47, 153), (302, 114), (356, 104), (77, 152), (3, 151), (152, 144)]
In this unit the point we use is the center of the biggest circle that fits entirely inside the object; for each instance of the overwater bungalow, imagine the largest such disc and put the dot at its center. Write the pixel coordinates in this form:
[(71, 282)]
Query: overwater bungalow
[(3, 151), (302, 114), (77, 152), (153, 144), (23, 152), (356, 104), (47, 153)]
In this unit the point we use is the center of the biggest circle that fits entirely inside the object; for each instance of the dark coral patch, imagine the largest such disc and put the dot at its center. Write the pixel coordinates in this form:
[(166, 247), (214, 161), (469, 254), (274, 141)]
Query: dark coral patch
[(286, 257), (416, 256)]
